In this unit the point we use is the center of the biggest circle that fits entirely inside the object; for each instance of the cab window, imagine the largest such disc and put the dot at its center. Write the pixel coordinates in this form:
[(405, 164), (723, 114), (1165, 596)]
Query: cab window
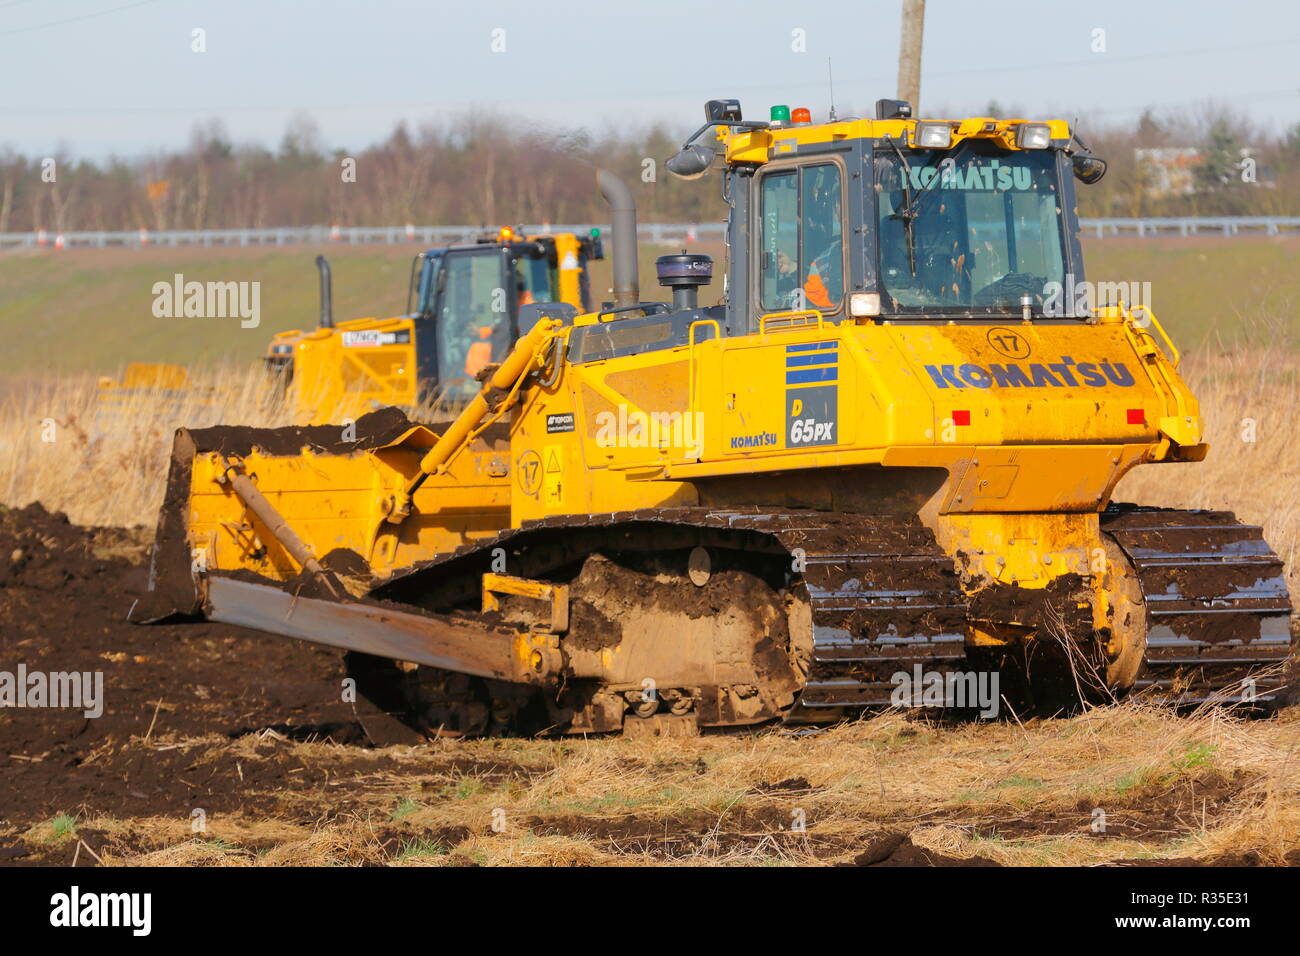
[(533, 280), (426, 282), (473, 318), (802, 239)]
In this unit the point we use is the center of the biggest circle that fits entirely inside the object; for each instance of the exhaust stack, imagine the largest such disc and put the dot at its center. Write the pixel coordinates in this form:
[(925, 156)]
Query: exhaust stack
[(623, 220), (326, 293)]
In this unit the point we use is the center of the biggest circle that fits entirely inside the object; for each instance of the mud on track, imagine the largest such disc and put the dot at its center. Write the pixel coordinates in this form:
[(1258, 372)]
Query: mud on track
[(250, 729)]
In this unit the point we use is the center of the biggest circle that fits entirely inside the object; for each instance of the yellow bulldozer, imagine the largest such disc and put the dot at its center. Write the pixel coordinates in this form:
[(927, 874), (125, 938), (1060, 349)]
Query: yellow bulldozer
[(878, 474), (463, 311)]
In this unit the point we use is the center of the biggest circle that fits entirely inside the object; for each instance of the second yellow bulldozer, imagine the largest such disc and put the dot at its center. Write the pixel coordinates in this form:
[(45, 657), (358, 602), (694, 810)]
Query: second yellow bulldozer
[(464, 307), (878, 474)]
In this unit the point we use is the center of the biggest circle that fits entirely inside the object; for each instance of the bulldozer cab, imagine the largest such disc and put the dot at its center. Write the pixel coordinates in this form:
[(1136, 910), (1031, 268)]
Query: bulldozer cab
[(899, 220), (803, 254), (467, 301)]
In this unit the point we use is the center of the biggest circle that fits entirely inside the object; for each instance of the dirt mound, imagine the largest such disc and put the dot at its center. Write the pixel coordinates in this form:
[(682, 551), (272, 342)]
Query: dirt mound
[(897, 849), (43, 551), (64, 597)]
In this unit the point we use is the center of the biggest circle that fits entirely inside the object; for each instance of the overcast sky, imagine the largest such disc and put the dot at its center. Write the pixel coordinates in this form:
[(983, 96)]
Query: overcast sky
[(120, 76)]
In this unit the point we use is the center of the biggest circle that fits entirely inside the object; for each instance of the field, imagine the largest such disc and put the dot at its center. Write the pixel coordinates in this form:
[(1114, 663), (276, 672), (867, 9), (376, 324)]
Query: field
[(223, 746)]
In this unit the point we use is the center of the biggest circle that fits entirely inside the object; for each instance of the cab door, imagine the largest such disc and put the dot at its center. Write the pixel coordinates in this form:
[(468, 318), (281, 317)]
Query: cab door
[(424, 292), (473, 317)]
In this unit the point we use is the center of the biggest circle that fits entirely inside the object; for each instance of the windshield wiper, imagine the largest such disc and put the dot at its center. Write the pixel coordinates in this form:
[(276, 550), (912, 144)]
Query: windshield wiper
[(914, 209), (908, 215), (912, 203)]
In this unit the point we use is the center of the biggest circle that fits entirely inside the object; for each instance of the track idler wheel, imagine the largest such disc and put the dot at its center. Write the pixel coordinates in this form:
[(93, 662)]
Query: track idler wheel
[(1125, 626), (1081, 639)]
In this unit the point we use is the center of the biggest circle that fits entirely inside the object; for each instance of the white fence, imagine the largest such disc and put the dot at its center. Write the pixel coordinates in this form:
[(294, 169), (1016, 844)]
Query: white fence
[(1193, 226), (430, 236)]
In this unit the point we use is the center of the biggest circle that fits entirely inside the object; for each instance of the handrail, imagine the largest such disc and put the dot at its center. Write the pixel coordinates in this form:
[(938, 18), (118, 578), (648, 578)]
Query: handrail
[(690, 343), (1174, 355), (649, 308)]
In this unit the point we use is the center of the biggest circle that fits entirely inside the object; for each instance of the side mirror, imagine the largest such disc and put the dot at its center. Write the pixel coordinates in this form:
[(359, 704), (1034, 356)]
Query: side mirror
[(692, 162), (1088, 169)]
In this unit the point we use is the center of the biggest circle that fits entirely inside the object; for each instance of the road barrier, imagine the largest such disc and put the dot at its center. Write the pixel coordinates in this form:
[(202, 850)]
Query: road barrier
[(654, 232)]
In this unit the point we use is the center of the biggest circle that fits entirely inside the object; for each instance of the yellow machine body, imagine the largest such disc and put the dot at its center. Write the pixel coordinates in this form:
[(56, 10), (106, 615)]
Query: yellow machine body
[(1007, 438)]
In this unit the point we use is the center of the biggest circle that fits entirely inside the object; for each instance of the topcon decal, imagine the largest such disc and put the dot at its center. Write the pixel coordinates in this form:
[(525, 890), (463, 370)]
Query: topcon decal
[(1064, 373)]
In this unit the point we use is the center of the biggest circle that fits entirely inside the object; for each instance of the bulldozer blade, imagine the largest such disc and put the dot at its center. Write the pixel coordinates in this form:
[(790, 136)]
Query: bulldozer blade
[(475, 649), (380, 708), (384, 729)]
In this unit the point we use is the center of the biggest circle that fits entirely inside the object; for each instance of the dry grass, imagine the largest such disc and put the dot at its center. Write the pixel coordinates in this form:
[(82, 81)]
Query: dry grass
[(105, 463), (102, 457), (1172, 787)]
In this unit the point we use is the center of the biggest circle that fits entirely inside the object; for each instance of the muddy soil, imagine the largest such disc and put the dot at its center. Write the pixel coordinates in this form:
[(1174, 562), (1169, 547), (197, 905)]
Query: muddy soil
[(184, 702), (64, 597)]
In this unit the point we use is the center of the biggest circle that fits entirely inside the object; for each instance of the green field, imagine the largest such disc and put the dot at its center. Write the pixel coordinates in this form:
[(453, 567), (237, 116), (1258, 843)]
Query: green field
[(91, 310), (1211, 290)]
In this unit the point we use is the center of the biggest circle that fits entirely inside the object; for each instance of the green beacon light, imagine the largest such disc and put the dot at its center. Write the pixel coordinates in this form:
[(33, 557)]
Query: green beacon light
[(780, 114), (595, 232)]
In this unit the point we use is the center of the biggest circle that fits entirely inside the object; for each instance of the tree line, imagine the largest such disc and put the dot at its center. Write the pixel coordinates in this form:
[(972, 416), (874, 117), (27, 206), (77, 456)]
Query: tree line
[(486, 169)]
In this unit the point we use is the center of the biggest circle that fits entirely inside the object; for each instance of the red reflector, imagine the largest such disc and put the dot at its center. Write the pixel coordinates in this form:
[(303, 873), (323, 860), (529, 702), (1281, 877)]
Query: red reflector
[(1137, 416), (961, 417)]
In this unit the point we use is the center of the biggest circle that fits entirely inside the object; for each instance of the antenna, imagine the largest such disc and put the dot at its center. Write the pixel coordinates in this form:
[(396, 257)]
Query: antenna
[(830, 82)]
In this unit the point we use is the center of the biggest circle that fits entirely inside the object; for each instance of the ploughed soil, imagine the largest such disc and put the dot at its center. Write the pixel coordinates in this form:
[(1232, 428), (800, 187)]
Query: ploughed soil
[(235, 725), (65, 593)]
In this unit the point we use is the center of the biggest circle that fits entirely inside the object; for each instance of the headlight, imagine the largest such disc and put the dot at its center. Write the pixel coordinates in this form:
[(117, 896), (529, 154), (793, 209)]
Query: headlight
[(1033, 136), (863, 304), (933, 135)]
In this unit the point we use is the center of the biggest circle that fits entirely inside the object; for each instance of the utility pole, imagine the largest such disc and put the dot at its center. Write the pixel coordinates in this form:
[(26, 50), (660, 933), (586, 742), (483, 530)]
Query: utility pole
[(909, 54)]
